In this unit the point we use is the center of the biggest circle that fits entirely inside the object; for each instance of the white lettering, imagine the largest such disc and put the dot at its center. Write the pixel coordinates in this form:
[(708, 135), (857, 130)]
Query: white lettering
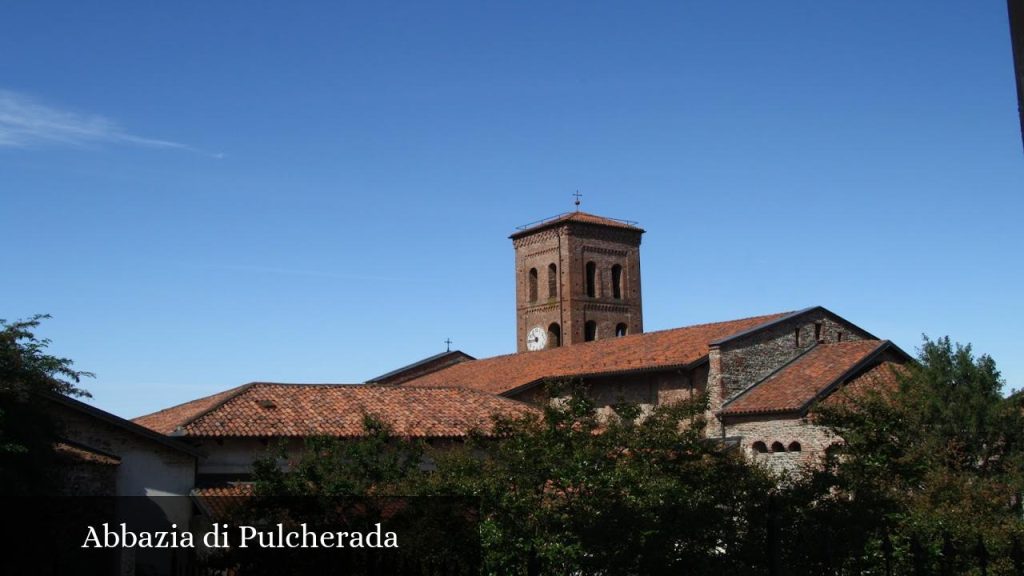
[(248, 533), (92, 537)]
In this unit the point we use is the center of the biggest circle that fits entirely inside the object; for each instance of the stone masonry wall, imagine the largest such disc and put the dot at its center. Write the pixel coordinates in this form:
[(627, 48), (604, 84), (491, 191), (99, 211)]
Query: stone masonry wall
[(738, 364), (147, 467), (646, 389), (813, 440)]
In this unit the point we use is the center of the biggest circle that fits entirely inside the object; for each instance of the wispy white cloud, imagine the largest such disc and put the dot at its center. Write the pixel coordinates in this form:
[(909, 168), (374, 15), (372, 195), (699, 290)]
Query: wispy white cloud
[(27, 123)]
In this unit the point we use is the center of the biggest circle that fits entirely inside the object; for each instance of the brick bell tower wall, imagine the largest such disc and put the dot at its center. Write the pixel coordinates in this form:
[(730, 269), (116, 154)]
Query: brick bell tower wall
[(556, 268)]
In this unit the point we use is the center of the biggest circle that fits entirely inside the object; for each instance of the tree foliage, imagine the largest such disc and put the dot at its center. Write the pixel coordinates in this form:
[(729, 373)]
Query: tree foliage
[(27, 433), (573, 490), (927, 467), (616, 492), (937, 459)]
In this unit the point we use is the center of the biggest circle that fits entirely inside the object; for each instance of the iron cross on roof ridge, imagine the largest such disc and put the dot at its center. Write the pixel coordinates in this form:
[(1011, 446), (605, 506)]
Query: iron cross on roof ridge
[(577, 202)]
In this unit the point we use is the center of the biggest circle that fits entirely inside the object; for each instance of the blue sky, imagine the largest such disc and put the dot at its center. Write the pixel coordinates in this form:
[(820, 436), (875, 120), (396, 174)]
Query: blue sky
[(204, 194)]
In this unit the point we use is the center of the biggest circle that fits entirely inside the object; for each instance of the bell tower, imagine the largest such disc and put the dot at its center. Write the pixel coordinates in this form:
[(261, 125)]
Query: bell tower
[(577, 280)]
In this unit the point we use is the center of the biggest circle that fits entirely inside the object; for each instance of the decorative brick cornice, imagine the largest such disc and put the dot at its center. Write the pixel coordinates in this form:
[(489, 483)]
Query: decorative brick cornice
[(609, 251), (598, 307), (540, 252), (537, 237)]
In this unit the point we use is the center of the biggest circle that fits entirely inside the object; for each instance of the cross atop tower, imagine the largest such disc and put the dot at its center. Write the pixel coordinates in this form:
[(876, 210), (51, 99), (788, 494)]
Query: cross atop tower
[(448, 343), (577, 202)]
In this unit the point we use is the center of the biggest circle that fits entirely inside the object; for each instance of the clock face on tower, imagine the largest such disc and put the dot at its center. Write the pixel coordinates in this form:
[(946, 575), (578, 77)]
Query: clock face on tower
[(536, 338)]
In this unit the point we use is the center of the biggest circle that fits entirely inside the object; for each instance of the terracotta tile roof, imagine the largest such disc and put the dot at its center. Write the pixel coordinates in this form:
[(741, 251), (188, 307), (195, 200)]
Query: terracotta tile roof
[(232, 489), (166, 420), (217, 502), (291, 410), (648, 351), (83, 454), (884, 376), (794, 386), (581, 217)]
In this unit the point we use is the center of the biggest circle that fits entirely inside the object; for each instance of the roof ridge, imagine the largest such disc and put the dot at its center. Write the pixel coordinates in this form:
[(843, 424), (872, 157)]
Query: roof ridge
[(195, 417), (777, 315), (324, 384), (179, 405)]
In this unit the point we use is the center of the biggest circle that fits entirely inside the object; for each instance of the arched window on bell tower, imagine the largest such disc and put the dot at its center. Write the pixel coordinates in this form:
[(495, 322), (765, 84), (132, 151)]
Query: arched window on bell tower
[(620, 329), (533, 284), (617, 282), (552, 281), (554, 335), (591, 279), (590, 331)]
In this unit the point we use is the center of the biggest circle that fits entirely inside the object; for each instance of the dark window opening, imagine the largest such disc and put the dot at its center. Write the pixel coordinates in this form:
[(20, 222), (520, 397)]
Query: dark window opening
[(839, 336), (759, 447), (533, 284), (778, 447), (796, 336), (620, 329), (554, 335), (591, 279), (590, 331), (552, 281), (794, 446), (617, 282), (817, 331)]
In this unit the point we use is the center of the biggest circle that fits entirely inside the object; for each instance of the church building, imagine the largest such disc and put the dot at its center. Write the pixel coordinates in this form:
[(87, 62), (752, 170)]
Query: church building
[(579, 315)]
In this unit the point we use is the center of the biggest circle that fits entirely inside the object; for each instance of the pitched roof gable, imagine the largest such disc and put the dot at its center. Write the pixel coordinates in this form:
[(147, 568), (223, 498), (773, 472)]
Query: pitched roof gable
[(786, 317), (648, 351), (263, 409), (129, 426), (807, 378), (421, 367), (165, 421)]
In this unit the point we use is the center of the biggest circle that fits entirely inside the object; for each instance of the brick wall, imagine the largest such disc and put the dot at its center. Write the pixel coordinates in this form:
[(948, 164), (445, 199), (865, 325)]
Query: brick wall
[(569, 247)]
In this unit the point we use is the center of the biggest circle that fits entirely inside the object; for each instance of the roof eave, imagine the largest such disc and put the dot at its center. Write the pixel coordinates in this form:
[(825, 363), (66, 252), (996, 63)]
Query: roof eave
[(665, 368), (124, 424), (570, 222), (786, 318)]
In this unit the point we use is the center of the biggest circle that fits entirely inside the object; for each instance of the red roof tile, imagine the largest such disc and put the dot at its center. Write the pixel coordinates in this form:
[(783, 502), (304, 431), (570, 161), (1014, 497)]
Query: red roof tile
[(166, 420), (292, 410), (218, 502), (801, 381), (83, 454), (647, 351), (882, 377)]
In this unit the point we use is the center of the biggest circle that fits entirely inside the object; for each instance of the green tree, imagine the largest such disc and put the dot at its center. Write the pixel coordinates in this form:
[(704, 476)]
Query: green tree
[(936, 458), (27, 432), (377, 463), (346, 484), (576, 490), (569, 490)]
